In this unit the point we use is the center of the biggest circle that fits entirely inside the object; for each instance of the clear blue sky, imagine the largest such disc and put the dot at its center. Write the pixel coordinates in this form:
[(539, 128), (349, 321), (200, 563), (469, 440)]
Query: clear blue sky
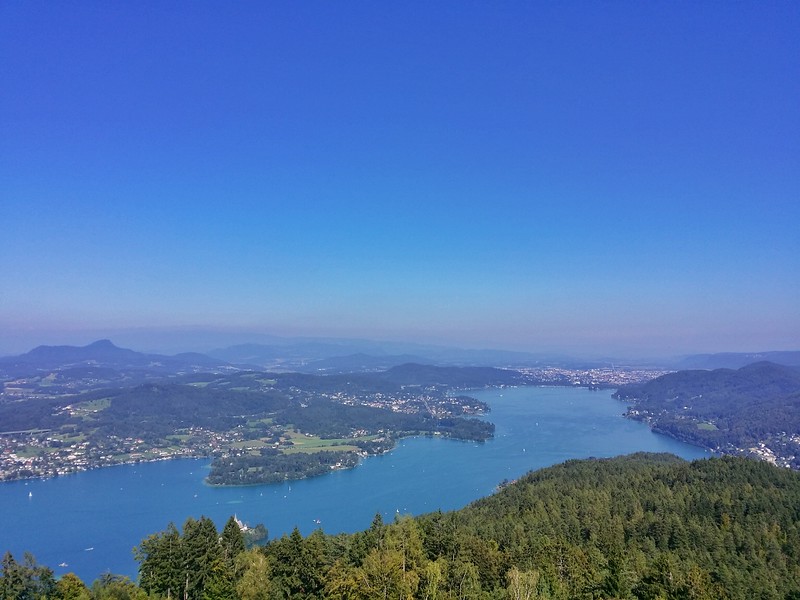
[(593, 177)]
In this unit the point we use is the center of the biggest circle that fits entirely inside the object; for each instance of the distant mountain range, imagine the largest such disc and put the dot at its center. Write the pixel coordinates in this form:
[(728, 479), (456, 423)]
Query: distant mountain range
[(332, 355), (313, 355), (59, 370), (102, 363), (736, 360), (360, 362), (326, 354)]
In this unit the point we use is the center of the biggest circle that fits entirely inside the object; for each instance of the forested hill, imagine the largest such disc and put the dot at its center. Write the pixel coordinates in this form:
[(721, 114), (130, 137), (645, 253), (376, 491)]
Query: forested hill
[(48, 371), (649, 526), (643, 526), (725, 409)]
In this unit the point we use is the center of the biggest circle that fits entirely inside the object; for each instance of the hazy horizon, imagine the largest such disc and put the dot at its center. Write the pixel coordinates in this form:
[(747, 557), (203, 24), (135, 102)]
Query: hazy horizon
[(199, 340), (593, 179)]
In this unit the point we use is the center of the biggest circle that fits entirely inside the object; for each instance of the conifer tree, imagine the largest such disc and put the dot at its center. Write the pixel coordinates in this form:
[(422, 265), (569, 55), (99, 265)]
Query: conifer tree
[(232, 542), (201, 549)]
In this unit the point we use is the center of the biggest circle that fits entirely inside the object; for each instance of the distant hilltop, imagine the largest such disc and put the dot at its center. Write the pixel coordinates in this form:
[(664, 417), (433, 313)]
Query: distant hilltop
[(307, 355), (345, 355), (737, 360), (103, 356)]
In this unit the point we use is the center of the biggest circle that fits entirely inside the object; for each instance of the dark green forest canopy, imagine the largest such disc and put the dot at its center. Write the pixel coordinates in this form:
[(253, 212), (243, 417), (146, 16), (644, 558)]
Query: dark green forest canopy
[(724, 407), (720, 391), (644, 526)]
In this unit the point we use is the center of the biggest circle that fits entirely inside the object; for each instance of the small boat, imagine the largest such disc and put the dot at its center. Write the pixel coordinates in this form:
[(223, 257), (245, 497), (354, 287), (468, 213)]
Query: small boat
[(63, 564), (30, 494), (89, 549)]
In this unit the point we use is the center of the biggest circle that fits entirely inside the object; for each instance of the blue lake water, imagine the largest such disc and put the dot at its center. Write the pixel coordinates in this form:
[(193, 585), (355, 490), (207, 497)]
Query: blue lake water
[(91, 521)]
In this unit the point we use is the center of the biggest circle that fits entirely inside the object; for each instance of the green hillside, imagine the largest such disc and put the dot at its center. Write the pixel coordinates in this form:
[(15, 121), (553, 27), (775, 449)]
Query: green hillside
[(752, 410)]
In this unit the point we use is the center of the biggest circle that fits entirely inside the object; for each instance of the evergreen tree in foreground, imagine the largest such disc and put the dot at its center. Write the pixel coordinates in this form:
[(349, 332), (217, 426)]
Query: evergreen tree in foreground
[(193, 565)]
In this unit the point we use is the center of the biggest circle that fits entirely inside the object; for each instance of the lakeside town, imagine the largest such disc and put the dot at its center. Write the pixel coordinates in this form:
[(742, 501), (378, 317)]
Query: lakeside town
[(597, 377), (29, 455)]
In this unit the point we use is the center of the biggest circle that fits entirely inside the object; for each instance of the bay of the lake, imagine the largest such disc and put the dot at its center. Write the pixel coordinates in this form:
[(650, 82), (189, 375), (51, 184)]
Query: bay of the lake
[(90, 521)]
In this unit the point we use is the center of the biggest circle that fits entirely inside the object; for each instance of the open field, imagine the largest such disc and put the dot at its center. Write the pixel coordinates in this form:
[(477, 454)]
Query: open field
[(310, 443)]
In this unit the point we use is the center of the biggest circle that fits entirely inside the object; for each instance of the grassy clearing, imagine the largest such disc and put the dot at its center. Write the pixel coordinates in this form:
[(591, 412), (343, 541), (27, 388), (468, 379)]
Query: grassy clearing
[(251, 444), (34, 451), (48, 380), (304, 440), (707, 427), (257, 422), (86, 410), (70, 438), (312, 449), (174, 449), (28, 452), (311, 443)]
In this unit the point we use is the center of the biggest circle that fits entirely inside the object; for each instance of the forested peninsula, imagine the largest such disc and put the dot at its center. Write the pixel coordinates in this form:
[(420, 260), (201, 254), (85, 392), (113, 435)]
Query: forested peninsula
[(751, 411), (643, 526)]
